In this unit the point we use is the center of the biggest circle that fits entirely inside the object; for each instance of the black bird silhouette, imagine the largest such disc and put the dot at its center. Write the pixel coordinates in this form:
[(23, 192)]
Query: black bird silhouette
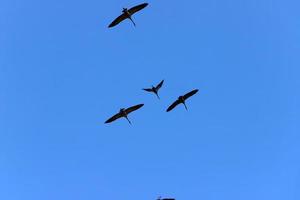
[(123, 113), (155, 89), (181, 99), (127, 13), (159, 198)]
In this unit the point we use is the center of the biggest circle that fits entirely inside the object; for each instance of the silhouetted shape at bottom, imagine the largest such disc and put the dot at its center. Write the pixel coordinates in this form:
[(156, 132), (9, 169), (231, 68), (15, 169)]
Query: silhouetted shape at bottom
[(159, 198)]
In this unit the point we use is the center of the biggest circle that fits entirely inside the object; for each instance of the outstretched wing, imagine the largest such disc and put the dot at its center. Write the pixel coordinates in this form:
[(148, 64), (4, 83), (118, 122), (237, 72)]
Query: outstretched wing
[(191, 93), (117, 20), (133, 108), (113, 118), (148, 89), (137, 8), (174, 104), (159, 85)]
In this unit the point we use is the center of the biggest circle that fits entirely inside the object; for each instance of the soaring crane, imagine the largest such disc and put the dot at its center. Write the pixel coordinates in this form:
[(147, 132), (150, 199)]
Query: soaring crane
[(127, 14), (154, 89), (182, 99), (124, 113)]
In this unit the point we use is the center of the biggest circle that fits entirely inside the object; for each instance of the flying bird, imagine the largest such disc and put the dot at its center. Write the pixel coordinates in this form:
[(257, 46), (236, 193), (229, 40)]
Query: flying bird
[(124, 113), (155, 89), (181, 99), (159, 198), (127, 14)]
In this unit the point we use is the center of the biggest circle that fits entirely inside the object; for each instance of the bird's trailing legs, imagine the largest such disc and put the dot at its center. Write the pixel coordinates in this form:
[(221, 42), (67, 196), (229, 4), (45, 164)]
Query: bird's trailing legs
[(157, 95), (132, 21), (128, 120), (185, 106)]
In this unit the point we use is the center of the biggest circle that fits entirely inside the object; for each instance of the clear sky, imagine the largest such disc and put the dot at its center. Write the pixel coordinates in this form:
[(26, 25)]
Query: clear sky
[(63, 73)]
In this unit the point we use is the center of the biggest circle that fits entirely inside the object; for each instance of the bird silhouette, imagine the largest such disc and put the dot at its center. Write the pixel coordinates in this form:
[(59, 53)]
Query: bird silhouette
[(127, 14), (124, 113), (155, 89), (159, 198), (181, 99)]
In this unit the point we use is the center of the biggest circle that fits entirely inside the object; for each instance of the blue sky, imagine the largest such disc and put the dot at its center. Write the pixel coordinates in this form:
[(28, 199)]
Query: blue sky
[(63, 73)]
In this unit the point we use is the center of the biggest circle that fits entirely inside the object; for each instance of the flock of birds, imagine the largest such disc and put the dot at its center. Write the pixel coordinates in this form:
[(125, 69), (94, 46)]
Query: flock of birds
[(127, 14), (125, 111)]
